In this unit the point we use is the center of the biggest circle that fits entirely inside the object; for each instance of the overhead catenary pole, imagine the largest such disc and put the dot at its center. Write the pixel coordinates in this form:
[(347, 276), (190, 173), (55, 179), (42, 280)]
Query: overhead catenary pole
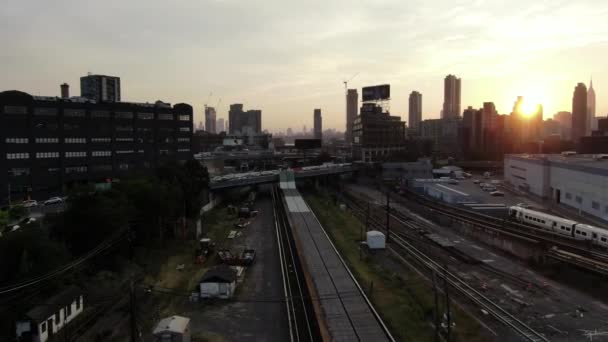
[(132, 312), (436, 311), (388, 226), (447, 303)]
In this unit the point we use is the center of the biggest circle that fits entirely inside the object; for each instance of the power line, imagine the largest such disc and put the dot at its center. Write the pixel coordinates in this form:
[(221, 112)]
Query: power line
[(36, 280)]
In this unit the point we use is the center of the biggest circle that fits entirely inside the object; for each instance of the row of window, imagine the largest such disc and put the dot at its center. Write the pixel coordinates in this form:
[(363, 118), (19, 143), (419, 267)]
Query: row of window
[(71, 112), (17, 140), (79, 140), (594, 204), (75, 154), (81, 154), (78, 169), (47, 155), (534, 219)]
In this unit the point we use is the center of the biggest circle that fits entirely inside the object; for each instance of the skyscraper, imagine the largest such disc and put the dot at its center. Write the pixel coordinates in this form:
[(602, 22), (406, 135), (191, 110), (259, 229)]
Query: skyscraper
[(352, 103), (65, 91), (100, 88), (220, 126), (565, 122), (451, 97), (591, 121), (244, 123), (210, 119), (579, 112), (318, 124), (415, 114)]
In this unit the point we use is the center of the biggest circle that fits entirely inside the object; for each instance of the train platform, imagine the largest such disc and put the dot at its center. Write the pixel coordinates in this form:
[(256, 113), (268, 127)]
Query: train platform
[(346, 313)]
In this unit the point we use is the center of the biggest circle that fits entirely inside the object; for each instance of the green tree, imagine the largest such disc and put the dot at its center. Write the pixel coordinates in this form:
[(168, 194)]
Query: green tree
[(29, 252), (90, 218), (17, 212), (192, 178)]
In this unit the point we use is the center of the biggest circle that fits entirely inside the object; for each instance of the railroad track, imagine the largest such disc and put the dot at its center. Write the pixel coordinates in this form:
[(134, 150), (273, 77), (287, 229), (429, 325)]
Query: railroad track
[(407, 249), (512, 228), (303, 325), (502, 315), (416, 231)]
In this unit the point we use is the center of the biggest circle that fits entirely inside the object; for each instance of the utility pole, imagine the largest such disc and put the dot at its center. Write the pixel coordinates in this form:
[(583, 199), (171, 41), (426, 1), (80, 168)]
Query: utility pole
[(388, 226), (447, 302), (436, 311), (132, 312)]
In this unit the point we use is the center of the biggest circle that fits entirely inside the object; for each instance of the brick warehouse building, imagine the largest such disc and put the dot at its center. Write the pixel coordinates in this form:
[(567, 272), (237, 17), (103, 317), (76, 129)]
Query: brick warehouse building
[(49, 143)]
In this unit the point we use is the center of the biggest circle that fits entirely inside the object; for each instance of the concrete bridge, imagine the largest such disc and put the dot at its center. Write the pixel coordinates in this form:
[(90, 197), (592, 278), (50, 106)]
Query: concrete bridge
[(255, 178)]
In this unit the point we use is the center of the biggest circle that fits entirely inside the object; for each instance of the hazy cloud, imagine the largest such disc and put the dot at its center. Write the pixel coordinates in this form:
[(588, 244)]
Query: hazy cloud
[(287, 58)]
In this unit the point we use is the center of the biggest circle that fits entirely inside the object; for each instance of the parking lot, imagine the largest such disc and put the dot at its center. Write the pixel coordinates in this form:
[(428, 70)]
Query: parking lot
[(468, 186)]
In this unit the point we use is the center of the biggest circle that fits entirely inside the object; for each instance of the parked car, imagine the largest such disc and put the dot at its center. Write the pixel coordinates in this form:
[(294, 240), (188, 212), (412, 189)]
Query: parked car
[(453, 181), (476, 181), (248, 257), (53, 200), (29, 203), (497, 193)]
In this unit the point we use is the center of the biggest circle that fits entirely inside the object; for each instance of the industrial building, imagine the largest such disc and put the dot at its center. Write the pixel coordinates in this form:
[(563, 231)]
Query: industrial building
[(377, 134), (50, 142), (406, 171), (579, 181)]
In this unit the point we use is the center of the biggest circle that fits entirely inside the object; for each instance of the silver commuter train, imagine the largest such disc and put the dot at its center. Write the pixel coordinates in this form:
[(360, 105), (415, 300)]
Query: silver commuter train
[(561, 226)]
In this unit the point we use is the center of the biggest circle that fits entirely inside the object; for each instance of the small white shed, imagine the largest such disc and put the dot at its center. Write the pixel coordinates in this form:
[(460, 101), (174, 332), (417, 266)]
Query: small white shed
[(376, 240), (218, 282), (173, 329), (43, 322)]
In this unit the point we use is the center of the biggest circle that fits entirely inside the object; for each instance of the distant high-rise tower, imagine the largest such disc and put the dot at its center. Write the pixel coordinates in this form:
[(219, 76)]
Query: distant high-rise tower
[(244, 123), (220, 126), (451, 97), (210, 119), (100, 88), (415, 115), (318, 124), (579, 112), (65, 91), (591, 121), (352, 103)]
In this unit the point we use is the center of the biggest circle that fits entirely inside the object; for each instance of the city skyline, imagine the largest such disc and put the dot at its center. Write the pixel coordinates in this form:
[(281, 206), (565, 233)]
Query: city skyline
[(499, 57)]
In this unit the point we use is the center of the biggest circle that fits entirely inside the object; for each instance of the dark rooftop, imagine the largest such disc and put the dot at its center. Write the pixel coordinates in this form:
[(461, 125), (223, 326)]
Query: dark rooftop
[(220, 274), (52, 305)]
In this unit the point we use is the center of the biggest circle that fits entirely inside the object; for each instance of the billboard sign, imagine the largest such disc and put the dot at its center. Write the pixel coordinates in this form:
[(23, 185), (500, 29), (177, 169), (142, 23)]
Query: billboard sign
[(307, 144), (375, 93)]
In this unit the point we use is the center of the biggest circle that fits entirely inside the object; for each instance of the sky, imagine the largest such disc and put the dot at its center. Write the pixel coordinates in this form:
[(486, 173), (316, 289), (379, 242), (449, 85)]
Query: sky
[(289, 57)]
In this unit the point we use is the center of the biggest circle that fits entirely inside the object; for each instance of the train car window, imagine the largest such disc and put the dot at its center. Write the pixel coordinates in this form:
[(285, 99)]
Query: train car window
[(594, 235), (603, 239)]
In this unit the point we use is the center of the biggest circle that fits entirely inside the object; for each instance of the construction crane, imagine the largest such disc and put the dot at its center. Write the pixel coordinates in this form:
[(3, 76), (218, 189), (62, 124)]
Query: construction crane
[(346, 82), (208, 99)]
